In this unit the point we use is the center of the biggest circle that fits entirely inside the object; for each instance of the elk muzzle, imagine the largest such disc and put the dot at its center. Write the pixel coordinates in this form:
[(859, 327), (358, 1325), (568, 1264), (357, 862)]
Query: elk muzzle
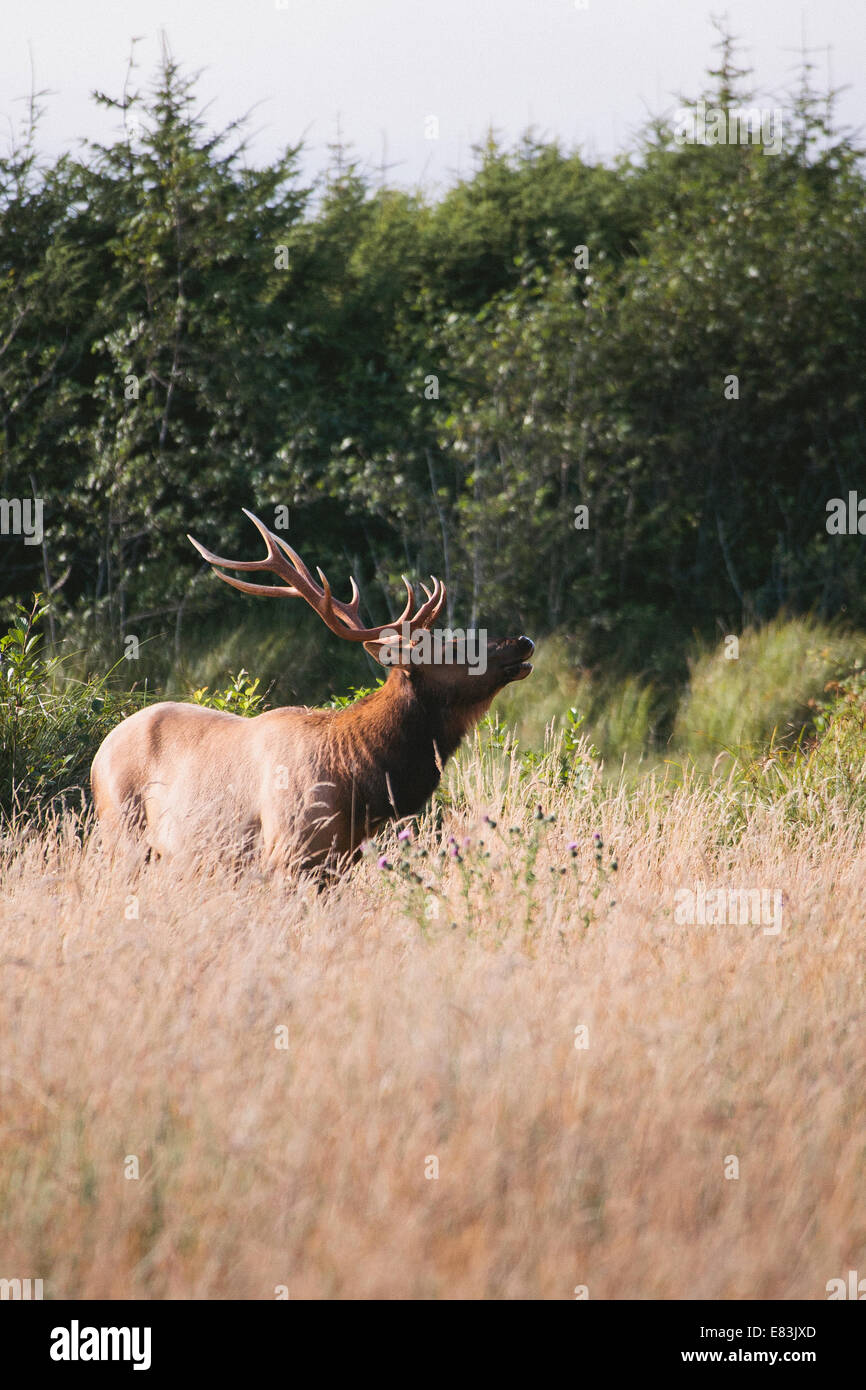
[(510, 655)]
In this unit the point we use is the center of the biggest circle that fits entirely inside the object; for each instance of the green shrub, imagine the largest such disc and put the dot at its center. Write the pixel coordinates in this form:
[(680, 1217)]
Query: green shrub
[(50, 728), (241, 697), (837, 755), (356, 692)]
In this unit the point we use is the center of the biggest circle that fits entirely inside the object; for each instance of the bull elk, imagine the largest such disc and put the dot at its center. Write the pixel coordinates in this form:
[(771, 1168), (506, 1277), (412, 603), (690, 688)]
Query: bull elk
[(304, 786)]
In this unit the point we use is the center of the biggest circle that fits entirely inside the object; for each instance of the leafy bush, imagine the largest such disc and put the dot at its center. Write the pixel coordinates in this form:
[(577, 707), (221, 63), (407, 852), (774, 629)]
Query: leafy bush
[(241, 697), (818, 782), (840, 724), (355, 693), (49, 729)]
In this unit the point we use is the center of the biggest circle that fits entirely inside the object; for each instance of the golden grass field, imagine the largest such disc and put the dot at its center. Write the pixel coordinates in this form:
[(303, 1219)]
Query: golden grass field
[(423, 1025)]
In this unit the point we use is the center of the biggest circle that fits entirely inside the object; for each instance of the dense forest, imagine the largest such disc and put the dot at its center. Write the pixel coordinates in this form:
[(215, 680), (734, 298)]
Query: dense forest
[(611, 400)]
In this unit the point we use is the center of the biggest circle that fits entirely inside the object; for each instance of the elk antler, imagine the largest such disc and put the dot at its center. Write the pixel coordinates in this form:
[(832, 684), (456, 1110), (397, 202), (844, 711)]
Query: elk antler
[(342, 618)]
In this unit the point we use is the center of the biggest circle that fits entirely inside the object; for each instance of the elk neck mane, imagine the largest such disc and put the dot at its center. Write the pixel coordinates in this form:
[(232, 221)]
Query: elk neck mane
[(396, 731)]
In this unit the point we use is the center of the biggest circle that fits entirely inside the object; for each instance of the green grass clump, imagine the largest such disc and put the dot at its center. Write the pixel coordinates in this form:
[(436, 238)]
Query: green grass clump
[(767, 694), (620, 717)]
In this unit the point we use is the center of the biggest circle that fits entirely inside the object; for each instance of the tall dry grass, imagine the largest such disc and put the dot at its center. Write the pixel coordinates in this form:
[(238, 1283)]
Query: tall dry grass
[(436, 1020)]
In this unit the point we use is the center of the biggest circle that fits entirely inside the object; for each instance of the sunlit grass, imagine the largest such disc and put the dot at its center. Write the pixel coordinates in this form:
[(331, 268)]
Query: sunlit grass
[(428, 1007)]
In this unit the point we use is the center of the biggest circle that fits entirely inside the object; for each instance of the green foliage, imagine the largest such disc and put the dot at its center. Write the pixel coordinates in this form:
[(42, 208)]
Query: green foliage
[(435, 385), (49, 730), (769, 691), (240, 697), (355, 693), (622, 718), (566, 758), (162, 331), (838, 753), (817, 781)]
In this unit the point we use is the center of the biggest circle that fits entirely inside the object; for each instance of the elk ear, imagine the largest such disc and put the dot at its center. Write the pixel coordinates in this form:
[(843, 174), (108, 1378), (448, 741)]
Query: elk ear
[(391, 652)]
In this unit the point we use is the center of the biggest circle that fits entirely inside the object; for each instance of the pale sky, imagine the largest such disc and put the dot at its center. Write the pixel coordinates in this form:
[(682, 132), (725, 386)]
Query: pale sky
[(587, 71)]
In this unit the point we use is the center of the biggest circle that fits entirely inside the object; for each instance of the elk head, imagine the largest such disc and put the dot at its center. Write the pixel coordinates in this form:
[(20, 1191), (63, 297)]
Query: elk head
[(448, 669)]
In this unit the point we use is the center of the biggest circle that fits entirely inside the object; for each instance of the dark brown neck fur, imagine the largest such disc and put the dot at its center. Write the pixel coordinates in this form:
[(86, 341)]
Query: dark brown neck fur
[(395, 738)]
